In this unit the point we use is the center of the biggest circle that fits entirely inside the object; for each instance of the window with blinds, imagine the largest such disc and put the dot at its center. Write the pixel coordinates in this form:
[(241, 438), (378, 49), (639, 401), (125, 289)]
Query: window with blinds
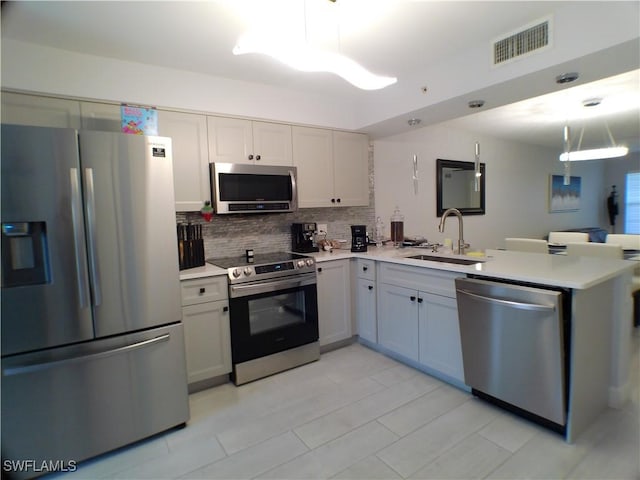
[(632, 203)]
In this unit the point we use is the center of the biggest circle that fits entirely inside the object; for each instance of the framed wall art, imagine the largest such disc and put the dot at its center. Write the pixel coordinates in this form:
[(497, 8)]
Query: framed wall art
[(564, 198)]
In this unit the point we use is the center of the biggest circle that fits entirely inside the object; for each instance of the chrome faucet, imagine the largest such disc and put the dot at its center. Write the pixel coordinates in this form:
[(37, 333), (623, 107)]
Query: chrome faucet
[(456, 212)]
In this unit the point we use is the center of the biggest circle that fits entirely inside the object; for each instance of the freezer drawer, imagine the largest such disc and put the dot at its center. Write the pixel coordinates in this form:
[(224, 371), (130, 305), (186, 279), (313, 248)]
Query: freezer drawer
[(513, 346), (76, 402)]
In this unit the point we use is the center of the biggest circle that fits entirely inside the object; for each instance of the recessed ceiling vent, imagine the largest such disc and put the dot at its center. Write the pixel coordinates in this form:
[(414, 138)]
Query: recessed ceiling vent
[(530, 39)]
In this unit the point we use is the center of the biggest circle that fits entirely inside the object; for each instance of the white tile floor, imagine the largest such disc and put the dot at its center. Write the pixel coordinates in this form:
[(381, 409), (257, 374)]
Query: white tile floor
[(360, 415)]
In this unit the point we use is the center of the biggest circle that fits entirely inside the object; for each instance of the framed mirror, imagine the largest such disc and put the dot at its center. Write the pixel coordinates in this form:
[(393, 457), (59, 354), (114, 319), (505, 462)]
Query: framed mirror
[(455, 187)]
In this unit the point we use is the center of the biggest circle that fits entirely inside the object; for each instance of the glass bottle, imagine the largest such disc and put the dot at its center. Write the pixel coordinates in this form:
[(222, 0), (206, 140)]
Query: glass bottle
[(397, 227), (379, 232)]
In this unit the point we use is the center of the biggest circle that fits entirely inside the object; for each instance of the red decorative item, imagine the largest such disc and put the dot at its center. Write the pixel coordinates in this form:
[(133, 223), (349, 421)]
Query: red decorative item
[(207, 211)]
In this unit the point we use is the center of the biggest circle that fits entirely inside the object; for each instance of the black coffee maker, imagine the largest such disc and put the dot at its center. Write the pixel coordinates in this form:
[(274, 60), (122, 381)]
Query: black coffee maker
[(358, 238), (303, 237)]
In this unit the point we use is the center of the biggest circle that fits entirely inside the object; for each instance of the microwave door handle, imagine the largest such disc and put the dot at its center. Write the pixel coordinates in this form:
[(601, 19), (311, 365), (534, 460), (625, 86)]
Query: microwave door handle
[(90, 201), (78, 238)]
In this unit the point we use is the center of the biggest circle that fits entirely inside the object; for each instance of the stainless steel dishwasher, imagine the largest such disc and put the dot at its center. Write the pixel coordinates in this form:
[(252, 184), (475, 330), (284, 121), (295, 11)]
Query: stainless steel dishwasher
[(513, 347)]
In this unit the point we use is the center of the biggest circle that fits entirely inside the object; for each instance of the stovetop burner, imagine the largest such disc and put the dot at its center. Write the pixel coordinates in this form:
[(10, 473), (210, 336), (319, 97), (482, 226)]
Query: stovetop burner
[(264, 266)]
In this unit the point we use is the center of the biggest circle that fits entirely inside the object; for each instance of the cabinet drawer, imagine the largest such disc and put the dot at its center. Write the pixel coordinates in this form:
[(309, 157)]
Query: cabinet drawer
[(423, 279), (201, 290), (366, 269)]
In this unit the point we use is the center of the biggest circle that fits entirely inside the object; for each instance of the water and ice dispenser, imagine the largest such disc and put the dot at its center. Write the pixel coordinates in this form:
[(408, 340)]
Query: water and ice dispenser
[(24, 254)]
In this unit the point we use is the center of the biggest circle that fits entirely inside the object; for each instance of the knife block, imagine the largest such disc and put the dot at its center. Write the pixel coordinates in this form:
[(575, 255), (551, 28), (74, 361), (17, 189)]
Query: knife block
[(190, 249)]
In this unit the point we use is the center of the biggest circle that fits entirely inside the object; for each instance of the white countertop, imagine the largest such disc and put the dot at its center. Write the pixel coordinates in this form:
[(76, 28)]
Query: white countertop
[(546, 269), (207, 270)]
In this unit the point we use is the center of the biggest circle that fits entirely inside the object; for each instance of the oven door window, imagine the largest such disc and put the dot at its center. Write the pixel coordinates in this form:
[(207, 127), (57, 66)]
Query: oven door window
[(276, 312), (272, 322)]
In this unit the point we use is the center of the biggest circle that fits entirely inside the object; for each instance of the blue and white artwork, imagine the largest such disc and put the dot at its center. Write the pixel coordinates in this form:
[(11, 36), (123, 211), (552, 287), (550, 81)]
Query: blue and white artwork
[(564, 198)]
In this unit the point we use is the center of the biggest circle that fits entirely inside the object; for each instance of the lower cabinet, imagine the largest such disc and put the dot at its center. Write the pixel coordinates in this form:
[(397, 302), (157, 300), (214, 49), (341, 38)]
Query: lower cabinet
[(398, 320), (365, 300), (205, 316), (334, 301), (417, 323)]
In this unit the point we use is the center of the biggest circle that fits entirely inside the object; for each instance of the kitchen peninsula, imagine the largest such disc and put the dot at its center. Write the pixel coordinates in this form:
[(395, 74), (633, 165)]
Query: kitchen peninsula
[(600, 313)]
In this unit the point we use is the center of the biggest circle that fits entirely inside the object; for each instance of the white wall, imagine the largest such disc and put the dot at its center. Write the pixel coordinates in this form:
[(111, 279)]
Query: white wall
[(35, 69), (517, 186)]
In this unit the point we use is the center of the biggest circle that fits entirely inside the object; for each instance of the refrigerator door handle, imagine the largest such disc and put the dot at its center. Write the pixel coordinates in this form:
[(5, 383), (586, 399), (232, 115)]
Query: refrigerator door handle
[(36, 367), (78, 238), (90, 203), (509, 303)]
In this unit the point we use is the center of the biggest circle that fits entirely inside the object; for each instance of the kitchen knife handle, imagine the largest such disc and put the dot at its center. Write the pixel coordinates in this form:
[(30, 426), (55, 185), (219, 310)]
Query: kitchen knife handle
[(90, 201), (78, 238)]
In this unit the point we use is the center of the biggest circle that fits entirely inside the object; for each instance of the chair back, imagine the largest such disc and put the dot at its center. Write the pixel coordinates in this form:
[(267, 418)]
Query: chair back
[(568, 237), (526, 245), (593, 249), (626, 240)]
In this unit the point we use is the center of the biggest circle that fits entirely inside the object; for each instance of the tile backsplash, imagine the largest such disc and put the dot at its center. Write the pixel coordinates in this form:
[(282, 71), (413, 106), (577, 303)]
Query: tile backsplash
[(231, 235)]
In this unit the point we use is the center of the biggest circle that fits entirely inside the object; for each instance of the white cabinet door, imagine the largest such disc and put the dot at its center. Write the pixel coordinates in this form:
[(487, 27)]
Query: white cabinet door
[(234, 140), (313, 156), (190, 157), (440, 347), (207, 340), (38, 111), (230, 140), (366, 309), (105, 117), (334, 301), (351, 168), (398, 320), (272, 144)]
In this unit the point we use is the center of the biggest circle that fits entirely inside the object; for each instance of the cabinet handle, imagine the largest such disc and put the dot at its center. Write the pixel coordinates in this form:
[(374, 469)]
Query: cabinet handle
[(412, 298), (333, 200), (319, 269), (370, 287), (420, 300), (251, 157), (338, 200), (257, 157), (365, 268), (202, 290), (225, 309)]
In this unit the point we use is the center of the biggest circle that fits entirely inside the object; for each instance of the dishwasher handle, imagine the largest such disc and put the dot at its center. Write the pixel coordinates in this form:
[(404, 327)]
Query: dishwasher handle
[(509, 303)]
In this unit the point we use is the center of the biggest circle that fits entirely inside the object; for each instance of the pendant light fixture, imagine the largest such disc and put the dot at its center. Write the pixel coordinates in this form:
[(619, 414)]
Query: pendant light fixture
[(298, 54), (567, 149), (478, 174), (613, 151)]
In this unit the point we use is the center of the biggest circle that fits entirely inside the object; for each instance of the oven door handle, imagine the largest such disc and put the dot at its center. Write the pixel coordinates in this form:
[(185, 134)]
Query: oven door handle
[(236, 291)]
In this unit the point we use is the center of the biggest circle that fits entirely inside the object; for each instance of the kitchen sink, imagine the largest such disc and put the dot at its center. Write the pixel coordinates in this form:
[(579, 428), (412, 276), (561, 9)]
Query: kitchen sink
[(457, 261)]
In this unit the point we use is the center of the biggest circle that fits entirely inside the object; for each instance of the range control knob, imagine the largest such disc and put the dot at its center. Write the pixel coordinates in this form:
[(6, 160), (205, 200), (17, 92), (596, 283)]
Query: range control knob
[(248, 271), (236, 272), (300, 263), (309, 262)]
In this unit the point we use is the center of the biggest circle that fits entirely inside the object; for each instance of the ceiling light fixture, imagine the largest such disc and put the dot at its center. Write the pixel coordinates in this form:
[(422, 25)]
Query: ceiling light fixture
[(413, 122), (567, 78), (295, 51), (476, 103)]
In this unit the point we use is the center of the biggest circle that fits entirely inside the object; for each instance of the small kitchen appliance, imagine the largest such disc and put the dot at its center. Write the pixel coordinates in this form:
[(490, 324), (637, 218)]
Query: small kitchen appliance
[(303, 237), (273, 313), (358, 238)]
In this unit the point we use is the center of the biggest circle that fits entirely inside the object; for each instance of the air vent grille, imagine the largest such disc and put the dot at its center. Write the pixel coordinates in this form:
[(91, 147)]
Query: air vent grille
[(521, 43)]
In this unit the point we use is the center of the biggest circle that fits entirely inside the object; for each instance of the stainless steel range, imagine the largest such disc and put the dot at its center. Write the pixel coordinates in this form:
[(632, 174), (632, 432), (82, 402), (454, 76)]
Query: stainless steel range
[(273, 306)]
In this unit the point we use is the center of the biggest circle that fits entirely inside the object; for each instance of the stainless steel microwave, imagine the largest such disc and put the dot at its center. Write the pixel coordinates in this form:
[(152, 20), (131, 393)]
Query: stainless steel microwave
[(245, 188)]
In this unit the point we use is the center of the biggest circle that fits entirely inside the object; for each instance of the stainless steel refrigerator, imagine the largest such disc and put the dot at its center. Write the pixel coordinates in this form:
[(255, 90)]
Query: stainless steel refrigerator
[(92, 340)]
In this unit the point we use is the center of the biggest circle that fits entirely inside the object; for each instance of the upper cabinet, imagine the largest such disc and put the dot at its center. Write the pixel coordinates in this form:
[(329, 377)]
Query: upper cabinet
[(333, 167), (234, 140), (101, 116), (40, 111), (188, 132)]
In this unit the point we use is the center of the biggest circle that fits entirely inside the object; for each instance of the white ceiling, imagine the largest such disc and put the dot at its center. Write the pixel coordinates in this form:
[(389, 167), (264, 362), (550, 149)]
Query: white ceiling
[(387, 37)]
